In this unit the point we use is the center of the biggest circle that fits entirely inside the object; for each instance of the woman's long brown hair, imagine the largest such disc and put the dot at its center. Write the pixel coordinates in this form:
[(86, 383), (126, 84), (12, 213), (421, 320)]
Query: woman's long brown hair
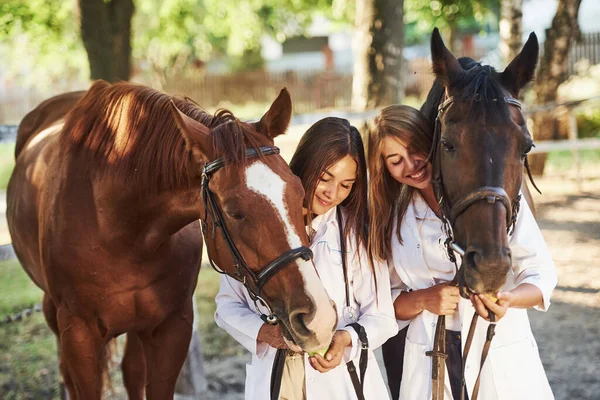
[(325, 143), (389, 199)]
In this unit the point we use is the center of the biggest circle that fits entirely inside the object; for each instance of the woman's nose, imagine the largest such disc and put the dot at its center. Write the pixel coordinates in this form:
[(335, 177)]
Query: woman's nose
[(329, 191), (410, 163)]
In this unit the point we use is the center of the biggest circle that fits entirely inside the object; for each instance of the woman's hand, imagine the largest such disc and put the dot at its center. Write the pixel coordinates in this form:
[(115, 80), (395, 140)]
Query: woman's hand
[(333, 357), (271, 335), (526, 295), (483, 305), (441, 299)]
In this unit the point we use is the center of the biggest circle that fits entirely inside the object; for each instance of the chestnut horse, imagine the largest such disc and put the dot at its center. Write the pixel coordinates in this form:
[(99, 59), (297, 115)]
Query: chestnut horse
[(479, 154), (103, 209)]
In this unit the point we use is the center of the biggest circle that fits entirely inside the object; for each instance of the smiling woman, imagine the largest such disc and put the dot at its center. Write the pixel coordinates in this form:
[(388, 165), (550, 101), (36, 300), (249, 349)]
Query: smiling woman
[(330, 163)]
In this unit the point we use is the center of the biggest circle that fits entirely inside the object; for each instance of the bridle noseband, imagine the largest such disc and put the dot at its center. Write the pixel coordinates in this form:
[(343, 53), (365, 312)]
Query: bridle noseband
[(251, 280)]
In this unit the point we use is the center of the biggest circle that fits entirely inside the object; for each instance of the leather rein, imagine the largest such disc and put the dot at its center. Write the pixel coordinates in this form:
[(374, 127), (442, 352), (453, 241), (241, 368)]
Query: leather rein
[(251, 280), (491, 194)]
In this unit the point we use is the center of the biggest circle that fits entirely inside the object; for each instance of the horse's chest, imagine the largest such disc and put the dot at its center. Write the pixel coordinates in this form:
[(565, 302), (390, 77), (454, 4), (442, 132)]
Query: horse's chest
[(144, 307)]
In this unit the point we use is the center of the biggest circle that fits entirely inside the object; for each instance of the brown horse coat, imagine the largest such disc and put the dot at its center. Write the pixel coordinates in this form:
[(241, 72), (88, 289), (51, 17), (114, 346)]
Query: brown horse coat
[(103, 210)]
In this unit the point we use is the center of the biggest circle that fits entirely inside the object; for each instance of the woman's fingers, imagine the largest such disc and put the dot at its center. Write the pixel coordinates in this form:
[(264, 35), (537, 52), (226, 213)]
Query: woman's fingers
[(323, 365), (499, 308), (479, 306)]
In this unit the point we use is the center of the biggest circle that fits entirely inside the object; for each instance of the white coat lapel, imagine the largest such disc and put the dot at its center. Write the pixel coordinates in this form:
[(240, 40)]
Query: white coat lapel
[(408, 257)]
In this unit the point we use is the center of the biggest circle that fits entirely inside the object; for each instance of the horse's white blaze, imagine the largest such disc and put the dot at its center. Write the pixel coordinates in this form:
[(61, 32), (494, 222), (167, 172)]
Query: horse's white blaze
[(43, 134), (262, 180)]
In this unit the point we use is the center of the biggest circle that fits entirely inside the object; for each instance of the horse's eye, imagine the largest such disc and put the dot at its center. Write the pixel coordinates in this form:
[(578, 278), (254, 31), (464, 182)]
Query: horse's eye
[(234, 215), (531, 146), (447, 146)]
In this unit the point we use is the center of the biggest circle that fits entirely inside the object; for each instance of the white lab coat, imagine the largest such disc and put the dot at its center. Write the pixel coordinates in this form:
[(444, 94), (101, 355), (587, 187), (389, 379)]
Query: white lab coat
[(513, 369), (237, 315)]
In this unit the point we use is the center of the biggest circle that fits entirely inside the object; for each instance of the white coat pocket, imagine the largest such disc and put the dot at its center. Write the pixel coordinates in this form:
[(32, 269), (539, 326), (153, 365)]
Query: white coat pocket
[(258, 381), (416, 375), (518, 372)]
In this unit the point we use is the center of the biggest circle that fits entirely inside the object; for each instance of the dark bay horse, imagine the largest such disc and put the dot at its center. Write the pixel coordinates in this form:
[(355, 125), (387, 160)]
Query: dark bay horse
[(103, 210), (479, 154)]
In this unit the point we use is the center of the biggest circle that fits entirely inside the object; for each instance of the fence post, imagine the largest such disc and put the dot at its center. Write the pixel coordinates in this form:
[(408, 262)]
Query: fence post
[(573, 139)]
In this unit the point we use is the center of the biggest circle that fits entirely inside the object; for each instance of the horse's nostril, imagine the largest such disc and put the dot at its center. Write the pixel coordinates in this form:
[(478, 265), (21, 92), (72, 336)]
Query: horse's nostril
[(472, 259), (299, 321)]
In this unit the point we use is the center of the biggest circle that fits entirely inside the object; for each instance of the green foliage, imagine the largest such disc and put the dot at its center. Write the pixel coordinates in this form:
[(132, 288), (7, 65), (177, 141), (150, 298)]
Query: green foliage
[(421, 16), (39, 41), (588, 123), (172, 33)]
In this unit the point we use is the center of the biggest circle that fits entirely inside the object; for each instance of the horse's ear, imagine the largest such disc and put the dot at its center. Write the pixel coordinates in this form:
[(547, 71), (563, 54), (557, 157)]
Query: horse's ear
[(197, 136), (521, 70), (276, 121), (445, 65)]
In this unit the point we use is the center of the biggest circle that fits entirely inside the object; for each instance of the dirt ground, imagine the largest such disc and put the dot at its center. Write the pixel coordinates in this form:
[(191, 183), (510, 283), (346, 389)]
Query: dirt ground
[(568, 335)]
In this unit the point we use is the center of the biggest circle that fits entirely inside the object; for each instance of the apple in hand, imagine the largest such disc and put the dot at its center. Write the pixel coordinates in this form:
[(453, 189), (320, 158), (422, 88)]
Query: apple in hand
[(492, 297), (322, 352)]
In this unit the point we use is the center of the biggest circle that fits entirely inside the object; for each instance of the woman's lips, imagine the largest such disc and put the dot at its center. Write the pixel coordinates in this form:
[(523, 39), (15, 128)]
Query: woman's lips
[(323, 202), (418, 176)]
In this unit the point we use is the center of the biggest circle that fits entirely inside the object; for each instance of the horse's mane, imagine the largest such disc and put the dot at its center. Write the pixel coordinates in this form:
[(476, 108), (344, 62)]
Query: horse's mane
[(128, 131), (479, 89)]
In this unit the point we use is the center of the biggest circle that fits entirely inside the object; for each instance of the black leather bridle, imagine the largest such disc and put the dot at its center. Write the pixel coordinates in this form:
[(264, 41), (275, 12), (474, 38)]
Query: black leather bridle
[(490, 194), (251, 280)]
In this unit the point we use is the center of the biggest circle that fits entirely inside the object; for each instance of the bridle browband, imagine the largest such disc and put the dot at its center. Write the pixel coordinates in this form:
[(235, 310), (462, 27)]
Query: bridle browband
[(491, 194), (251, 280)]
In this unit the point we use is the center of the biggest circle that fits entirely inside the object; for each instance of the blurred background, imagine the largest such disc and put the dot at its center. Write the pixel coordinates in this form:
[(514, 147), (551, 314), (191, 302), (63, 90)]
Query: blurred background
[(347, 58)]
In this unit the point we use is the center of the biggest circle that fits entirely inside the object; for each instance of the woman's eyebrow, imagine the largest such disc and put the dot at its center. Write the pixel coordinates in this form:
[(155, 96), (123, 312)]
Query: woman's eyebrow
[(333, 176)]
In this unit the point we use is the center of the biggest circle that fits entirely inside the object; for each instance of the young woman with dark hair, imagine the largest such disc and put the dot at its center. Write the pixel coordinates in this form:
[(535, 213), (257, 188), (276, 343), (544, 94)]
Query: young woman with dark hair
[(331, 165)]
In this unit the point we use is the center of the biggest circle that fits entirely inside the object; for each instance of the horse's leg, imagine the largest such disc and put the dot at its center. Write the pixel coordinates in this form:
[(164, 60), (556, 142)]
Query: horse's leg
[(134, 367), (165, 349), (82, 352), (50, 314)]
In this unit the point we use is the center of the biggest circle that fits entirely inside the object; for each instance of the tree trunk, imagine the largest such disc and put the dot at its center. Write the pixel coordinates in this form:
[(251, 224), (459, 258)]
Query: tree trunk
[(511, 29), (553, 71), (106, 35), (378, 61)]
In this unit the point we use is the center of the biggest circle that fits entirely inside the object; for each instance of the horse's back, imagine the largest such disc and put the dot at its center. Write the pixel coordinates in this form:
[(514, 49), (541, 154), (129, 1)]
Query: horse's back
[(46, 114)]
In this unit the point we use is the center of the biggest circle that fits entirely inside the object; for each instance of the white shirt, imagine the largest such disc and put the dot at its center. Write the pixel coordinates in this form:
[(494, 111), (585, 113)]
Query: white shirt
[(237, 315), (513, 370), (436, 257)]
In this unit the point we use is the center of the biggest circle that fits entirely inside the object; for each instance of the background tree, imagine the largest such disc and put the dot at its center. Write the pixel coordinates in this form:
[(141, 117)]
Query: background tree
[(379, 40), (106, 34), (511, 29), (553, 71)]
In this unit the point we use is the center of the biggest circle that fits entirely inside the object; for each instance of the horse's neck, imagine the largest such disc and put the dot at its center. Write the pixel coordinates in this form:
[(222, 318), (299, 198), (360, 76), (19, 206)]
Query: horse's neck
[(143, 222)]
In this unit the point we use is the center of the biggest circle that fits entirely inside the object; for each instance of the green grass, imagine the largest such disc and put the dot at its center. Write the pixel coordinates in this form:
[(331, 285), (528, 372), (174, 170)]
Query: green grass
[(7, 163), (564, 159), (28, 361), (17, 290)]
